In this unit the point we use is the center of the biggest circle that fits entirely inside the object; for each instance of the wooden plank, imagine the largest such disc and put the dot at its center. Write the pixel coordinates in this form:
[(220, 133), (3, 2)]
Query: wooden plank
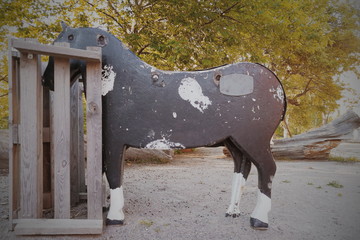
[(56, 51), (48, 203), (94, 138), (62, 138), (74, 145), (30, 137), (58, 226), (81, 162), (52, 141), (14, 112)]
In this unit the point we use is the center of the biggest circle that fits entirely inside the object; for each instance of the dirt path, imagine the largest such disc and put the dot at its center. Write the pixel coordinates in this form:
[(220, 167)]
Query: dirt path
[(187, 199)]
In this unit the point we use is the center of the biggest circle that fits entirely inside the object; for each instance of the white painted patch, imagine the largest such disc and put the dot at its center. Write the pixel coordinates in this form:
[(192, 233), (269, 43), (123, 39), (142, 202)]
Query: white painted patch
[(174, 115), (263, 207), (116, 204), (278, 93), (190, 90), (107, 79), (238, 184), (163, 144), (254, 100), (151, 134)]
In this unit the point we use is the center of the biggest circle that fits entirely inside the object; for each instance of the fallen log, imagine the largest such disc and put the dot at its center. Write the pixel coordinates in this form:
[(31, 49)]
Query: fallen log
[(316, 143)]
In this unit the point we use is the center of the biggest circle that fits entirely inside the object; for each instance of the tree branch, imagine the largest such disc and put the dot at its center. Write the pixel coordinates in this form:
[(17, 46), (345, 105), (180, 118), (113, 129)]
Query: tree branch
[(106, 14), (221, 14), (142, 49)]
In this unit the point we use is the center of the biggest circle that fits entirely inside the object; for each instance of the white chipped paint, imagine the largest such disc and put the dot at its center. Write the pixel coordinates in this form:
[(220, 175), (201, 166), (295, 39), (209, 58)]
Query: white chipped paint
[(151, 134), (253, 109), (174, 115), (107, 79), (238, 184), (116, 204), (263, 207), (163, 144), (191, 91), (254, 100), (278, 93)]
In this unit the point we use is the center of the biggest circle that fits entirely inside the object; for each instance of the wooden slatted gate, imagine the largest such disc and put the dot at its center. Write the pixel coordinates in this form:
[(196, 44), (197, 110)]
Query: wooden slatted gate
[(28, 137)]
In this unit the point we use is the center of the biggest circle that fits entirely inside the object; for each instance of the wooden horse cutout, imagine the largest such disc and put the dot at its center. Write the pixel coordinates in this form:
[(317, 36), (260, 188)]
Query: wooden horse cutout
[(238, 105)]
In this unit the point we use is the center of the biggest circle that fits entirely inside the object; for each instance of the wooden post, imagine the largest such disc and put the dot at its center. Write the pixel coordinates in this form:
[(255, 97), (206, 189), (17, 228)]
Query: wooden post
[(74, 144), (81, 162), (31, 196), (94, 138), (62, 137), (14, 120)]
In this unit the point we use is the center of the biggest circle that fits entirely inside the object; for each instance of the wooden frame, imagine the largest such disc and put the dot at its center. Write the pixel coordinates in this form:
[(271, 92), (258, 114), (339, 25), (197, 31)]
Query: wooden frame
[(27, 135)]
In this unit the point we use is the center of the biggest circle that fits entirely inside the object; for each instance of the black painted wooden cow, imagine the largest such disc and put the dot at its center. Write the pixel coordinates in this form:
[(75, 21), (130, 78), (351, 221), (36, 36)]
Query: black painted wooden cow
[(238, 105)]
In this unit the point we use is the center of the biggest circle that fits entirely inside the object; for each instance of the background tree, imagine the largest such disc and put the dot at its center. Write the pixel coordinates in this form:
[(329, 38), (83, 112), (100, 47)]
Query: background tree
[(308, 43)]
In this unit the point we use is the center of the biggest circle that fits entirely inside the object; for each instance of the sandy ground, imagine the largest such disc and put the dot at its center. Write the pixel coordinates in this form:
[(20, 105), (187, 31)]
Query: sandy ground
[(187, 199)]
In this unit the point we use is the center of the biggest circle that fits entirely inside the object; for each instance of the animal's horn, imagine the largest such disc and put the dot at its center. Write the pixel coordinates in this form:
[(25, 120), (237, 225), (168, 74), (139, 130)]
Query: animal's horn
[(63, 25)]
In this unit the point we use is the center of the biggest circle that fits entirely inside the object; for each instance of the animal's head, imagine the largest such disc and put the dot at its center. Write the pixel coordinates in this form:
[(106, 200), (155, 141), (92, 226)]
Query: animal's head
[(77, 38)]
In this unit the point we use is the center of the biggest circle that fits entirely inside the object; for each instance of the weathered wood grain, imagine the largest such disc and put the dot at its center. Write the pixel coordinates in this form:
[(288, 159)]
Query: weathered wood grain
[(56, 51), (30, 137), (58, 226), (94, 138), (316, 143), (74, 144), (62, 138)]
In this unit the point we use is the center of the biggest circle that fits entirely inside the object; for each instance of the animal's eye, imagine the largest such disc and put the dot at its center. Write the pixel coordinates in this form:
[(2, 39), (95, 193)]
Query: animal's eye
[(71, 37)]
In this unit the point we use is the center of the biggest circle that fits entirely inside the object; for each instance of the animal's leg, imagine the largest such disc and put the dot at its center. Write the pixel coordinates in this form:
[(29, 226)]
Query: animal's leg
[(114, 174), (242, 168), (266, 170)]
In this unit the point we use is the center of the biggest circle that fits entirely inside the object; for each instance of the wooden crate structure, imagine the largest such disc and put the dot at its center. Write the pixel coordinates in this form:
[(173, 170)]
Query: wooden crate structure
[(28, 137)]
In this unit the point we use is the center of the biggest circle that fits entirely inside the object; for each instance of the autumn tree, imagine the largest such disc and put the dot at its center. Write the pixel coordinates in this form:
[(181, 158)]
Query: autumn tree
[(308, 43)]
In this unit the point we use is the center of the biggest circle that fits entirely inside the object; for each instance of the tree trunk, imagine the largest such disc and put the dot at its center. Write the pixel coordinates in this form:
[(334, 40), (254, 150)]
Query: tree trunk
[(316, 143)]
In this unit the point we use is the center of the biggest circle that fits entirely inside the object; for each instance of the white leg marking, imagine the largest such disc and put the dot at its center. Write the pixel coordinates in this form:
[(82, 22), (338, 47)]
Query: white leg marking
[(237, 184), (263, 207), (116, 204)]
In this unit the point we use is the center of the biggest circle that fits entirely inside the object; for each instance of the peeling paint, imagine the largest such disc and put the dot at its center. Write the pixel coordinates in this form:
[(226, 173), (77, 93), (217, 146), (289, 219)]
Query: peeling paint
[(174, 114), (278, 93), (163, 144), (190, 90), (107, 79)]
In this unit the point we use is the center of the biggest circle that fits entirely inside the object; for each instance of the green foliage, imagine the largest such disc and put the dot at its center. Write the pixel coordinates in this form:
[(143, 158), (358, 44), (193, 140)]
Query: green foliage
[(335, 184), (343, 159), (308, 43)]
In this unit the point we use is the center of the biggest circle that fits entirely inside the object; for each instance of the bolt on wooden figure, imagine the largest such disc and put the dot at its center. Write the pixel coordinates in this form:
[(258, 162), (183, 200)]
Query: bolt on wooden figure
[(238, 105)]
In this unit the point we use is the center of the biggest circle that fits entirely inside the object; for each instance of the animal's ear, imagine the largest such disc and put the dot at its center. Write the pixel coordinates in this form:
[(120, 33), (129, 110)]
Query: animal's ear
[(64, 25)]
